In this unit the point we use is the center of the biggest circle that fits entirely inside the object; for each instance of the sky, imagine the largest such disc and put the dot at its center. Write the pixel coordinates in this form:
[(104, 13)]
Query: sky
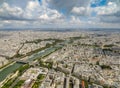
[(59, 14)]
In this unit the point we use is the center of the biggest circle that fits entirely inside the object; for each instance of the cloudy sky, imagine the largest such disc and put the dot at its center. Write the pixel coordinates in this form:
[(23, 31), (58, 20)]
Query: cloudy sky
[(59, 13)]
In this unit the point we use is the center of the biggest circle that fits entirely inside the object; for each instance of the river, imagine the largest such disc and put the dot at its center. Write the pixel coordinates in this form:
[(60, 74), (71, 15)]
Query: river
[(13, 67)]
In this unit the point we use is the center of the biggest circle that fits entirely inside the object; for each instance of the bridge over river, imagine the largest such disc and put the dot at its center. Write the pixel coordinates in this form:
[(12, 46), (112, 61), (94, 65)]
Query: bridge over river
[(5, 72)]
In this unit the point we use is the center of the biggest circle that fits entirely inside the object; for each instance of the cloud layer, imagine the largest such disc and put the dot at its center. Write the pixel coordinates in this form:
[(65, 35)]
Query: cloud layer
[(60, 13)]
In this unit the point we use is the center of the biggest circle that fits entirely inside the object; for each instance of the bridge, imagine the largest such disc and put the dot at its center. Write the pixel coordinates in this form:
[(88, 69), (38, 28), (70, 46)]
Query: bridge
[(22, 61), (31, 63)]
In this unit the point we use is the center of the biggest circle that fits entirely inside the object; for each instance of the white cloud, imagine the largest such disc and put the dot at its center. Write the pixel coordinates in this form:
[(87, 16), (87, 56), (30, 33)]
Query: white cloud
[(68, 5), (13, 23), (110, 8), (78, 10), (110, 19), (109, 13), (32, 5), (44, 16), (33, 10), (41, 12), (33, 13), (62, 12), (75, 20), (7, 11), (50, 14)]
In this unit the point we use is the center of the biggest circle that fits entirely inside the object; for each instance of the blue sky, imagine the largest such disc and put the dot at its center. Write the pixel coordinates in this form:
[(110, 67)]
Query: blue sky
[(59, 13), (98, 3)]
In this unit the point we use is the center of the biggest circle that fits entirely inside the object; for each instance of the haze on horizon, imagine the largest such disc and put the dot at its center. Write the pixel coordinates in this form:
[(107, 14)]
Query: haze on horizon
[(59, 13)]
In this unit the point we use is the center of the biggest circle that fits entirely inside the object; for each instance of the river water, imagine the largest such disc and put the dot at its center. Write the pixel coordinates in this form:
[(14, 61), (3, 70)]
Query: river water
[(10, 69)]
